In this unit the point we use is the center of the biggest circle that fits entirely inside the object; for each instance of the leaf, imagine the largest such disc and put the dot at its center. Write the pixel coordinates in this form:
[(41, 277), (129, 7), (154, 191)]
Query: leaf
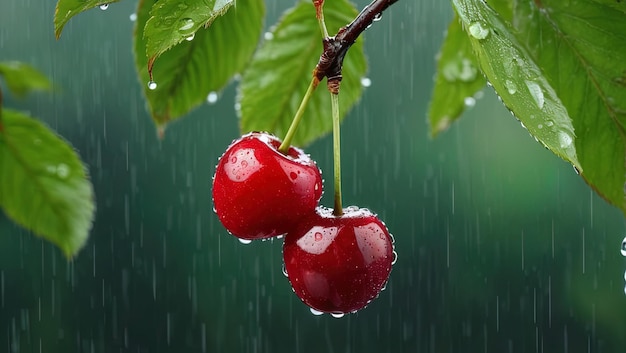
[(67, 9), (458, 77), (576, 47), (173, 21), (276, 80), (517, 79), (188, 72), (43, 184), (22, 78)]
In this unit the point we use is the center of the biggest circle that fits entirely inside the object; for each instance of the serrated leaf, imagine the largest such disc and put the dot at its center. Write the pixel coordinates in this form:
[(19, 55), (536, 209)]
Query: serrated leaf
[(580, 47), (458, 79), (517, 79), (43, 184), (576, 47), (66, 9), (173, 21), (187, 73), (21, 78), (276, 80)]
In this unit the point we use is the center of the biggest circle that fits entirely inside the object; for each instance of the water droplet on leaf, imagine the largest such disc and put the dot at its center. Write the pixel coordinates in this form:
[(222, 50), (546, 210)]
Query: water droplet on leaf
[(133, 17), (366, 82), (185, 26), (104, 7), (510, 86), (536, 93), (478, 31), (152, 85), (565, 140), (191, 37)]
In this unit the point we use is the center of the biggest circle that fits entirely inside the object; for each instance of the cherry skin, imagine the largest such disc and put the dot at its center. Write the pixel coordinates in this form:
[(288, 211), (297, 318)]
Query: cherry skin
[(338, 264), (259, 192)]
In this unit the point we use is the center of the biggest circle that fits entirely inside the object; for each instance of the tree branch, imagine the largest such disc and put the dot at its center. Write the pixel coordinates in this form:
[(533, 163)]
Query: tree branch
[(335, 48)]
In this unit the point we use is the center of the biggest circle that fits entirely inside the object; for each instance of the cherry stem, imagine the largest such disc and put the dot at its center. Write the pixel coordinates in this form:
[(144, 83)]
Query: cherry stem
[(284, 146), (319, 13), (334, 101)]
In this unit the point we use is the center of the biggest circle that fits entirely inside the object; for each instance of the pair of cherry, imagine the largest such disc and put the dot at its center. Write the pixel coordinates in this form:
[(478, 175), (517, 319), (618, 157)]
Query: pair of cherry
[(336, 262)]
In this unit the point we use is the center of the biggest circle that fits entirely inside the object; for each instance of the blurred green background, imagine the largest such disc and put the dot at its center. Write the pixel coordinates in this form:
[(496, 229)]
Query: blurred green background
[(502, 247)]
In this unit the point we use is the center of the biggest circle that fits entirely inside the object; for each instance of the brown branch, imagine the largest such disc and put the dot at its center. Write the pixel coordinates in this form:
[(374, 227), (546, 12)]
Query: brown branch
[(330, 63)]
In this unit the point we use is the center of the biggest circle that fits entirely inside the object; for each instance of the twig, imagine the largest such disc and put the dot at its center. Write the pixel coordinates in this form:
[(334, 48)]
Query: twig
[(335, 48)]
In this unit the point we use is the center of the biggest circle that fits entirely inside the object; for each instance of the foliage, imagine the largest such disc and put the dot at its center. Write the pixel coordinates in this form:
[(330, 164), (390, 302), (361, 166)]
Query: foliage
[(559, 68), (43, 184)]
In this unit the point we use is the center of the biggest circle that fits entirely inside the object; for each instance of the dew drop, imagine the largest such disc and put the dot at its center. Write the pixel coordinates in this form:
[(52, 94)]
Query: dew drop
[(395, 258), (510, 86), (549, 123), (366, 82), (469, 101), (316, 312), (152, 85), (245, 241), (565, 140), (337, 315), (623, 249), (191, 37), (378, 17), (62, 171), (185, 26), (133, 17), (285, 270), (212, 98), (478, 31), (104, 7), (536, 93), (293, 175), (268, 35)]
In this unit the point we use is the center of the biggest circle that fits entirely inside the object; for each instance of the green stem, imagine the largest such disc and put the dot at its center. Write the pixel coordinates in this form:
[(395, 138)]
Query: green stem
[(334, 100), (319, 4), (284, 147)]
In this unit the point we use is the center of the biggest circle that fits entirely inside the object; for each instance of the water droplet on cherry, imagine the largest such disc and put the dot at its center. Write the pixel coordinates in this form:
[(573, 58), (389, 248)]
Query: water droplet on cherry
[(316, 312), (245, 241)]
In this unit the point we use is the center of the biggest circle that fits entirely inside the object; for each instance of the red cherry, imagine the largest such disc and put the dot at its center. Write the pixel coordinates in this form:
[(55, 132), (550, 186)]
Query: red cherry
[(338, 264), (259, 192)]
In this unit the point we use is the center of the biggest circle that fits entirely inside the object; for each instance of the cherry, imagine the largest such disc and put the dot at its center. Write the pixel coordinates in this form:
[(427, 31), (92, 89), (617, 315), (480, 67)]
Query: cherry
[(338, 264), (259, 192)]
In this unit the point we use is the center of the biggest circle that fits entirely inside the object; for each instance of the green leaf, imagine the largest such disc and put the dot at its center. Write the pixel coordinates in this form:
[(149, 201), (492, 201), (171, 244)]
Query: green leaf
[(187, 73), (276, 80), (517, 79), (458, 78), (67, 9), (21, 78), (173, 21), (43, 184), (574, 50)]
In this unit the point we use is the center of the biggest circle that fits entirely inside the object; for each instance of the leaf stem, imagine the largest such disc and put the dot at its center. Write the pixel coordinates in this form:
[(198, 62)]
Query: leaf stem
[(334, 101), (284, 146)]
